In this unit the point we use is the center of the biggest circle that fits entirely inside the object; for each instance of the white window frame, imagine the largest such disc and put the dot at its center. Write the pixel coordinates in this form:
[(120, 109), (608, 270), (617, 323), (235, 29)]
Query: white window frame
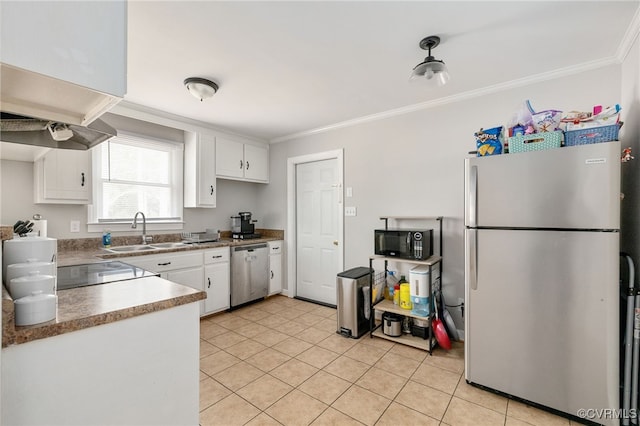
[(176, 223)]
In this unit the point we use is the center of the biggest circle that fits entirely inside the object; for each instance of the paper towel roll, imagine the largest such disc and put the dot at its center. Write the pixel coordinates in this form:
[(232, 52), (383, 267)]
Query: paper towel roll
[(39, 228)]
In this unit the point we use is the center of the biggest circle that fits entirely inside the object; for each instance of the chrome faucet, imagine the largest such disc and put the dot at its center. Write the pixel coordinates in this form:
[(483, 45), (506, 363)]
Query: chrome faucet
[(134, 225)]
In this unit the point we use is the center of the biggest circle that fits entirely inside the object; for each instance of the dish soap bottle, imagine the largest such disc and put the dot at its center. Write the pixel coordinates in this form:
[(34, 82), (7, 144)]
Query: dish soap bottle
[(106, 239)]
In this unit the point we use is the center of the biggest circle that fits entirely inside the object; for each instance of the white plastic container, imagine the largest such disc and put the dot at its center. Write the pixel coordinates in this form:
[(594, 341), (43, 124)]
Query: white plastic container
[(35, 308), (26, 285), (16, 270), (18, 250), (419, 291)]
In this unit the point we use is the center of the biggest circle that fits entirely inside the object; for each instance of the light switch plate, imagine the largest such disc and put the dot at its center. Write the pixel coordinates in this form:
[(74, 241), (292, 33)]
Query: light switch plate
[(74, 226), (349, 192), (350, 211)]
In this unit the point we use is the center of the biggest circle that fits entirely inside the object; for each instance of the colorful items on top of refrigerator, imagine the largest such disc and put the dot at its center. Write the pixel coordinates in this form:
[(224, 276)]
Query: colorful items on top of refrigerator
[(530, 130), (489, 142)]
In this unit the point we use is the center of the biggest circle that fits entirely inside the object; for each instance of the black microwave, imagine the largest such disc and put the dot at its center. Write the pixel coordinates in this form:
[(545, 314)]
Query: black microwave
[(404, 243)]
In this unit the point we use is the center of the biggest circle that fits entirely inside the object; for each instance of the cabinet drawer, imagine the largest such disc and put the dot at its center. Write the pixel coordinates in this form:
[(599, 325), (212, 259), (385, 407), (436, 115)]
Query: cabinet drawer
[(216, 255), (275, 247), (167, 261)]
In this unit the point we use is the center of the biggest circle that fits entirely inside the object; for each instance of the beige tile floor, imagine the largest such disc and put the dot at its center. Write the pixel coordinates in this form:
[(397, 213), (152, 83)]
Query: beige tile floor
[(280, 361)]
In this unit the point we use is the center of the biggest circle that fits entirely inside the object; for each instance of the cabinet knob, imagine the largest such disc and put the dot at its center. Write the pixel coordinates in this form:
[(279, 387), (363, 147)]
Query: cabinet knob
[(335, 242), (81, 179)]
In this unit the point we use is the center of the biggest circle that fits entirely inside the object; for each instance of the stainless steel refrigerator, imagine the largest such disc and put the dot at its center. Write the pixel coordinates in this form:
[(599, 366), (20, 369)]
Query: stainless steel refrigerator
[(541, 276)]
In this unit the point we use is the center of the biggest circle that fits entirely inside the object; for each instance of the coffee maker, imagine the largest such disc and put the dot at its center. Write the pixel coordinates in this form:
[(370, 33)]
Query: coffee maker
[(242, 226)]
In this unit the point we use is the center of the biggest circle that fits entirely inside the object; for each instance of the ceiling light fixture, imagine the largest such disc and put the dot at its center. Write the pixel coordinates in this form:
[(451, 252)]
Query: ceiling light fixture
[(431, 67), (201, 88)]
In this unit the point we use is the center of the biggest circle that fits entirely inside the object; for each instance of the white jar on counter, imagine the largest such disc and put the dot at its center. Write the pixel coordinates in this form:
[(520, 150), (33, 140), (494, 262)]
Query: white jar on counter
[(36, 308)]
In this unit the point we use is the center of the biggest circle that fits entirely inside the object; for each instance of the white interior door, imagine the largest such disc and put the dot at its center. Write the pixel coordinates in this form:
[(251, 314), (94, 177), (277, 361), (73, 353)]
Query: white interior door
[(317, 230)]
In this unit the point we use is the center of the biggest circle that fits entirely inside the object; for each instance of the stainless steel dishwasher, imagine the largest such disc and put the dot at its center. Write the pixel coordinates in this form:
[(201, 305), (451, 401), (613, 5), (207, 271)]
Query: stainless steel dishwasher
[(249, 273)]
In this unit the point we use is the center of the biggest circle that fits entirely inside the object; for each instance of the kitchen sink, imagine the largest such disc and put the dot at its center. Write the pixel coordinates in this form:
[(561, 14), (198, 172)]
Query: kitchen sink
[(129, 249), (168, 245)]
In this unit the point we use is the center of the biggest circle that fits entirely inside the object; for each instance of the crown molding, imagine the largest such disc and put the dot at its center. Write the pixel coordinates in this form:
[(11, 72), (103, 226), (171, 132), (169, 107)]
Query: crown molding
[(152, 115), (629, 38), (562, 72)]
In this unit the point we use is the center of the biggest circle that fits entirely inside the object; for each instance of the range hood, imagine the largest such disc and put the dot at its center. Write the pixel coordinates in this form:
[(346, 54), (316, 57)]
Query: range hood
[(45, 111), (35, 131)]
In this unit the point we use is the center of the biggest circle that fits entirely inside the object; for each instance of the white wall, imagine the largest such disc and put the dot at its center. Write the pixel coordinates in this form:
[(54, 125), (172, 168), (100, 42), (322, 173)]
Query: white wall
[(412, 164), (16, 186)]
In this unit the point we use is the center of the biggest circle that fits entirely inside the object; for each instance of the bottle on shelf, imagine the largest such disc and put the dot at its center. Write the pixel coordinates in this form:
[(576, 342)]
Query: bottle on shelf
[(396, 294), (405, 293), (391, 282)]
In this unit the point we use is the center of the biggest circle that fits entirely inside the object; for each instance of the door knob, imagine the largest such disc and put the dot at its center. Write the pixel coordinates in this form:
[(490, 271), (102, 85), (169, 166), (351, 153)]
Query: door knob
[(335, 242)]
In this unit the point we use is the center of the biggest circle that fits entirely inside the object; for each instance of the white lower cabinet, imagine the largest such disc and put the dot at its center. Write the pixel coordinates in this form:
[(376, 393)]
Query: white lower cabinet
[(275, 266), (182, 268), (206, 270), (191, 277), (216, 280)]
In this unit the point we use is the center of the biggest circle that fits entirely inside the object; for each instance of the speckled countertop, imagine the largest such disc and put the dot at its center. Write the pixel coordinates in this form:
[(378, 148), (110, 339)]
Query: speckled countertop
[(90, 306), (88, 250), (85, 307)]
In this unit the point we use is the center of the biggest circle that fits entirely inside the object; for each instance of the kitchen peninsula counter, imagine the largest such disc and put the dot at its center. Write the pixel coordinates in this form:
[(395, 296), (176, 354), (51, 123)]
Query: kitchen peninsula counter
[(84, 307)]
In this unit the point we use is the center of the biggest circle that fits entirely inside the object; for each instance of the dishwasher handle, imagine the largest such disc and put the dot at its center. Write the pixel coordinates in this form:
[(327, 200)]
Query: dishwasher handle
[(251, 247)]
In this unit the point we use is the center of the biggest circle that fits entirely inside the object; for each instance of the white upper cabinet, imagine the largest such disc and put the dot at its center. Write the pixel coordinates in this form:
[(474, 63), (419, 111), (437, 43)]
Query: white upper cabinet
[(199, 170), (256, 162), (242, 161), (63, 60), (63, 176)]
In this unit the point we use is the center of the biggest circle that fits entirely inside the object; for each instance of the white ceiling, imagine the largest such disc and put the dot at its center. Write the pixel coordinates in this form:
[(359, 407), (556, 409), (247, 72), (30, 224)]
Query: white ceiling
[(290, 67)]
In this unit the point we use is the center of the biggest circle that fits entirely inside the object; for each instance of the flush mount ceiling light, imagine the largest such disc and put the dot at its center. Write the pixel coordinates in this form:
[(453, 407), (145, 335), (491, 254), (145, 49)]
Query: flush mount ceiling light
[(431, 68), (201, 88)]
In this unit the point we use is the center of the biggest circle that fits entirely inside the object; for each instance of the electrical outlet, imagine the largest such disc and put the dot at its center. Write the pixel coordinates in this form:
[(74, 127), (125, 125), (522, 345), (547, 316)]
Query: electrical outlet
[(350, 211), (74, 226)]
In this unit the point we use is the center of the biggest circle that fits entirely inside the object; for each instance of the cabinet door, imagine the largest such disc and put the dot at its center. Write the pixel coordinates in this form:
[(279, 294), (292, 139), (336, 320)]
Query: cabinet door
[(199, 170), (191, 277), (66, 177), (229, 158), (275, 277), (256, 159), (207, 171), (216, 284)]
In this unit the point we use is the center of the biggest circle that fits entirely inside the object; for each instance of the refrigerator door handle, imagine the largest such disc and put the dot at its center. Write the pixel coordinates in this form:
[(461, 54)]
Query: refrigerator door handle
[(472, 235), (473, 196)]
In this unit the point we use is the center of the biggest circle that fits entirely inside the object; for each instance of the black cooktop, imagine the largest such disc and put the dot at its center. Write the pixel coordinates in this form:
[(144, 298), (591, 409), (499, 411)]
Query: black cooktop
[(98, 273)]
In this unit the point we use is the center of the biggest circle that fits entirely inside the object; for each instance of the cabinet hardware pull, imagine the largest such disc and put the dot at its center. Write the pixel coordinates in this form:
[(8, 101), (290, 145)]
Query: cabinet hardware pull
[(164, 264), (82, 176), (211, 189), (209, 279), (240, 163), (217, 257), (247, 165), (271, 274)]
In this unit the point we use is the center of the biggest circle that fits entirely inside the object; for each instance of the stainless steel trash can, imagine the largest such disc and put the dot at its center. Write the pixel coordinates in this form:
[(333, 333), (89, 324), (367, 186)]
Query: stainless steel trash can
[(352, 288)]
